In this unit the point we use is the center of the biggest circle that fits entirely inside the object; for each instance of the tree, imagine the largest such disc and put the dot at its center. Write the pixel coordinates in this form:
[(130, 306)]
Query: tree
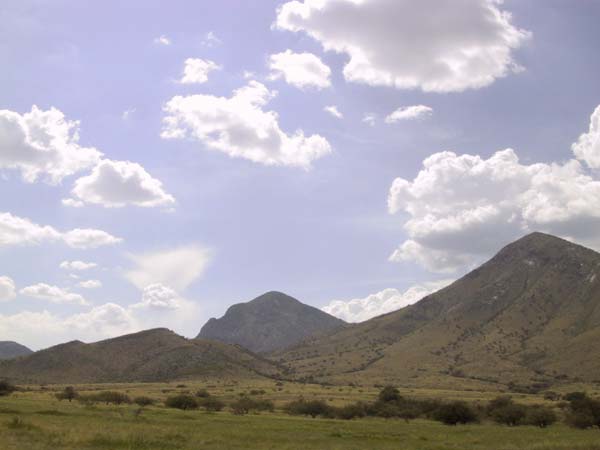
[(311, 408), (182, 401), (540, 416), (143, 401), (454, 413), (211, 404), (389, 394), (69, 393), (6, 388)]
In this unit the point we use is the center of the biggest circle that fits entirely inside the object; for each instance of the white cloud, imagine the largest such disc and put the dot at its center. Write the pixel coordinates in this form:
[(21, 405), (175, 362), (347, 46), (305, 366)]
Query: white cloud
[(409, 113), (211, 40), (90, 284), (177, 267), (84, 238), (369, 119), (587, 148), (53, 294), (7, 289), (435, 45), (159, 296), (196, 70), (117, 184), (72, 203), (239, 127), (77, 265), (334, 111), (462, 208), (302, 70), (127, 113), (43, 144), (382, 302), (162, 40)]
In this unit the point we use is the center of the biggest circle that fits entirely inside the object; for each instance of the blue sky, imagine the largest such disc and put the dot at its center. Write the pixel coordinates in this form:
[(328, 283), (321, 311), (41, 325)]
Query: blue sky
[(200, 222)]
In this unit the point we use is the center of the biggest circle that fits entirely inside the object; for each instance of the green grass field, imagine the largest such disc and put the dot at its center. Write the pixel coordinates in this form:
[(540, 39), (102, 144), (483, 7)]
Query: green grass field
[(34, 419)]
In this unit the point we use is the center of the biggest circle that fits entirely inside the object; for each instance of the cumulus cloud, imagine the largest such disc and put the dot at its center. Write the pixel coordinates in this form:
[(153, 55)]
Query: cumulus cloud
[(435, 45), (302, 70), (382, 302), (77, 265), (239, 127), (90, 284), (462, 208), (53, 294), (162, 40), (334, 111), (409, 113), (587, 147), (196, 70), (211, 40), (177, 267), (16, 230), (43, 145), (159, 296), (115, 184), (7, 289), (369, 119)]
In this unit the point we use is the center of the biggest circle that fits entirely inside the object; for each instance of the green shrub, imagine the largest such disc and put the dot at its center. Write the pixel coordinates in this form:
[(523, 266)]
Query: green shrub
[(202, 393), (389, 394), (454, 413), (211, 404), (183, 401), (540, 416), (69, 393), (311, 408), (245, 404), (351, 411), (584, 412), (6, 388)]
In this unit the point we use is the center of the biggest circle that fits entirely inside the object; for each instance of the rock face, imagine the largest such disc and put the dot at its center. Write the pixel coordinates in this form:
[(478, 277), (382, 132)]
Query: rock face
[(152, 355), (528, 317), (10, 349), (273, 321)]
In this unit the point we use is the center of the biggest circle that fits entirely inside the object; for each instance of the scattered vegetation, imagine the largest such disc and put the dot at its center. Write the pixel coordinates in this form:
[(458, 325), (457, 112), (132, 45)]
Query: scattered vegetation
[(182, 401), (69, 393), (6, 388)]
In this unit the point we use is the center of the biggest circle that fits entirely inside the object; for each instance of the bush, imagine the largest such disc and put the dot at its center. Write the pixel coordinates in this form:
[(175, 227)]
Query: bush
[(183, 401), (144, 401), (351, 411), (454, 413), (389, 394), (584, 412), (69, 393), (540, 416), (202, 393), (245, 404), (211, 404), (312, 408), (504, 411), (6, 388), (116, 398)]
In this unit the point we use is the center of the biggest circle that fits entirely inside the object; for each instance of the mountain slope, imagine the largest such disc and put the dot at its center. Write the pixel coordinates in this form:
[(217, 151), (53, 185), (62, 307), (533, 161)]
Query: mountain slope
[(152, 355), (9, 349), (530, 316), (270, 322)]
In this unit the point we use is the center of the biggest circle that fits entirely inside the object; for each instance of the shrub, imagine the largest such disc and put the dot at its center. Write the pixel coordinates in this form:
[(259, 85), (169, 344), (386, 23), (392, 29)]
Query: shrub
[(69, 393), (116, 398), (6, 388), (351, 411), (454, 413), (144, 401), (202, 393), (584, 412), (540, 416), (245, 404), (311, 408), (183, 401), (211, 404), (389, 394)]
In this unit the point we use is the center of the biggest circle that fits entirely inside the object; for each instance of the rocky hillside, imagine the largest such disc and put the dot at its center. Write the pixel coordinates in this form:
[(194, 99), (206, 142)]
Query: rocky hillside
[(270, 322), (10, 349)]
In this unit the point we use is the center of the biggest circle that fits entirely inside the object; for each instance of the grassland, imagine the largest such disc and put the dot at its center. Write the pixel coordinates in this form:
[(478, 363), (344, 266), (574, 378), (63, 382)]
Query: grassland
[(34, 419)]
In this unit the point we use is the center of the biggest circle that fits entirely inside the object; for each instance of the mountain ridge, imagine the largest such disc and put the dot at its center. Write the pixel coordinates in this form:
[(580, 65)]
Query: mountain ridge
[(11, 349)]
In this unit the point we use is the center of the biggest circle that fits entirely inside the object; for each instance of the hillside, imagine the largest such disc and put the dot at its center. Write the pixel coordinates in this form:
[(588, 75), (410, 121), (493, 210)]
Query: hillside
[(529, 316), (9, 349), (152, 355), (270, 322)]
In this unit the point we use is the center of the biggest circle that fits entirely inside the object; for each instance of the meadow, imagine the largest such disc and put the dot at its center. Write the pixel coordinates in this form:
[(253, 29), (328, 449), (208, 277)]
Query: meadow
[(33, 418)]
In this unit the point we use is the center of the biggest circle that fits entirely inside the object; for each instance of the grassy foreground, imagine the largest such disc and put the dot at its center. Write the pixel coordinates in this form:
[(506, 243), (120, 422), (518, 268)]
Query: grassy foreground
[(36, 420)]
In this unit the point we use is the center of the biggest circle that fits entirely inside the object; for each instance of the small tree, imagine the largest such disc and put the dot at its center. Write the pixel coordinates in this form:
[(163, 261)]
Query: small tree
[(202, 393), (69, 393), (454, 413), (184, 402), (211, 404), (6, 388), (540, 416), (389, 394), (143, 401)]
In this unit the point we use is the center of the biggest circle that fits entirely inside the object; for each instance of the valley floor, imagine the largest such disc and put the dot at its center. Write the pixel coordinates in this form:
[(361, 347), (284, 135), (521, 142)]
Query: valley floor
[(36, 420)]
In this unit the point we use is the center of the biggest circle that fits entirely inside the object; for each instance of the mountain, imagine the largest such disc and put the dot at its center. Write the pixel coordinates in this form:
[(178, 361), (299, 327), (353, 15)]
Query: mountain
[(9, 349), (152, 355), (270, 322), (528, 317)]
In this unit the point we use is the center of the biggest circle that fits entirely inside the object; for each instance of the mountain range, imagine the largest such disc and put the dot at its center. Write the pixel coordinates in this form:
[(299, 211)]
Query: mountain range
[(10, 349), (529, 318)]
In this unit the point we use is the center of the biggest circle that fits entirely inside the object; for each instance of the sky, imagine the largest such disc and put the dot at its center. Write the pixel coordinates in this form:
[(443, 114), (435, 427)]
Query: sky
[(159, 163)]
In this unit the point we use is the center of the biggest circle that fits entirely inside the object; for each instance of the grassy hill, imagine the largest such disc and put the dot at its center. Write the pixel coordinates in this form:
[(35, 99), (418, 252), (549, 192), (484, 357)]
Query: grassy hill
[(152, 355), (530, 316), (9, 349), (270, 322)]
